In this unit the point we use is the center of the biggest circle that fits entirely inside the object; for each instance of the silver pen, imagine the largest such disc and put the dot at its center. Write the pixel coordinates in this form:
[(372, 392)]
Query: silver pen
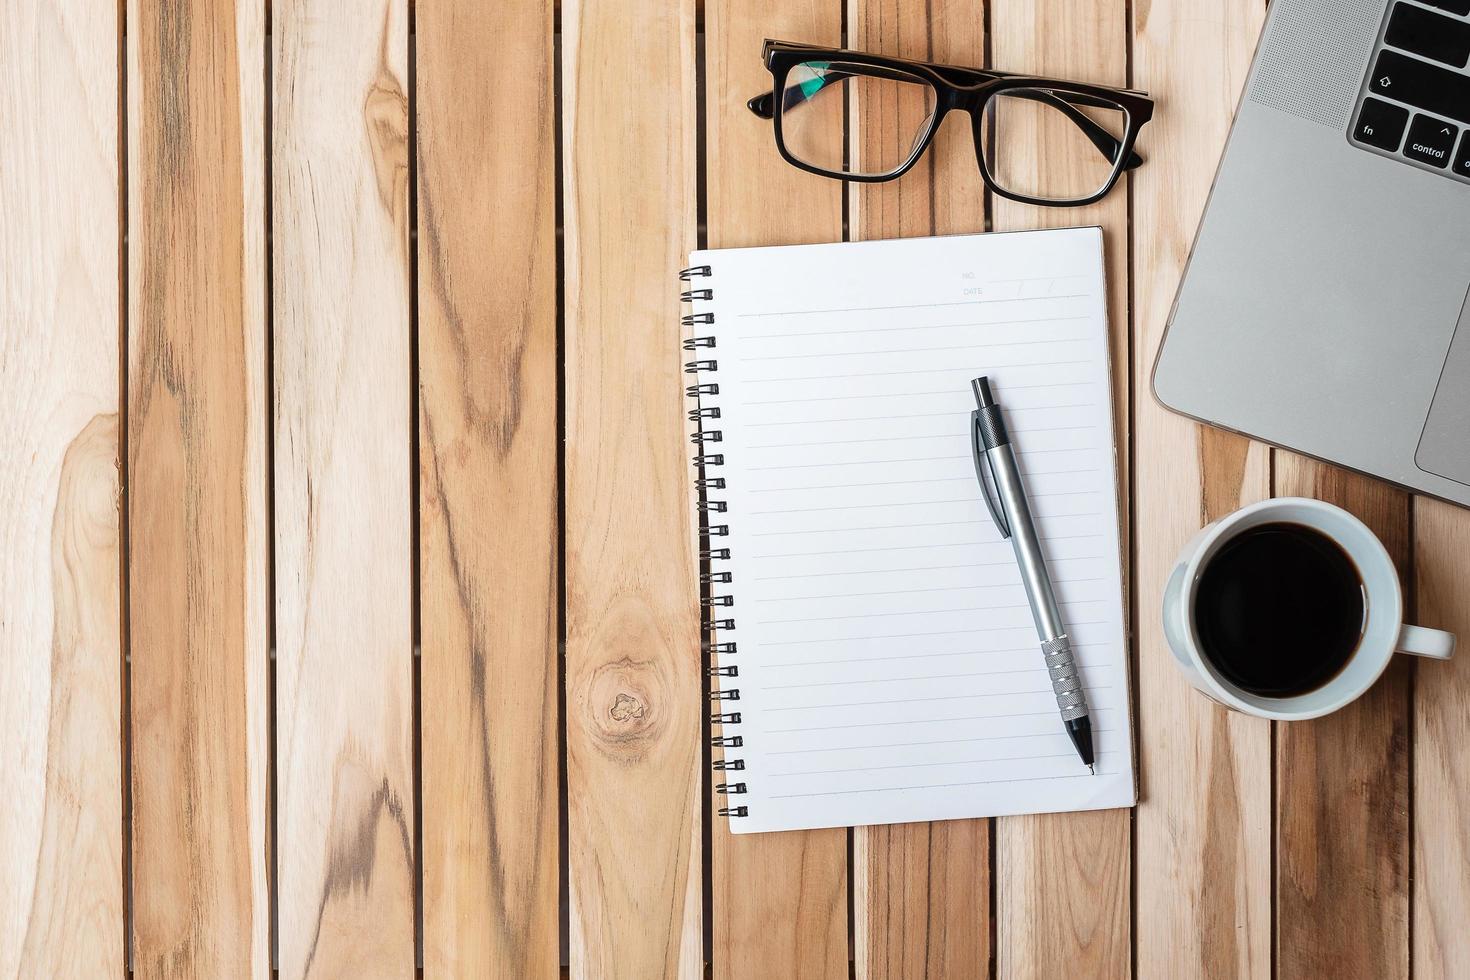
[(991, 445)]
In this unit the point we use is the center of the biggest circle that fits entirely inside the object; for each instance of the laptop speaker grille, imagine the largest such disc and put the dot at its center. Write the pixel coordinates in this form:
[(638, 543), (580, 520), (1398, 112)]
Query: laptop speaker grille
[(1313, 55)]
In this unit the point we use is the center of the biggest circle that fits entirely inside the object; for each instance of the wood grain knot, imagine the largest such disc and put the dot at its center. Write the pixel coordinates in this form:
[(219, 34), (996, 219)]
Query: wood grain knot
[(625, 707), (87, 504), (386, 112), (624, 704)]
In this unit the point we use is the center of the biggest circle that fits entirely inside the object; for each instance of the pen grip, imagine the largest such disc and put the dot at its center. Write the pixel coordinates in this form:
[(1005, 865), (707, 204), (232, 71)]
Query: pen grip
[(992, 427), (1071, 701)]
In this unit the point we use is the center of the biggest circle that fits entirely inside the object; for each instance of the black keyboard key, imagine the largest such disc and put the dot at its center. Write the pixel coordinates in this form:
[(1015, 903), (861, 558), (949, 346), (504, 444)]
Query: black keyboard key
[(1380, 124), (1430, 34), (1462, 159), (1421, 84), (1431, 141), (1461, 7)]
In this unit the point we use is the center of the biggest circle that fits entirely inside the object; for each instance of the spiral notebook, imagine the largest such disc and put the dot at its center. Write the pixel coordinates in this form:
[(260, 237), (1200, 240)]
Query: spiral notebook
[(874, 658)]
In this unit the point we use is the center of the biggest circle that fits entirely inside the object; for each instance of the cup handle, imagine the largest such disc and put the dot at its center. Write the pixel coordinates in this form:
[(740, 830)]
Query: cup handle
[(1422, 642)]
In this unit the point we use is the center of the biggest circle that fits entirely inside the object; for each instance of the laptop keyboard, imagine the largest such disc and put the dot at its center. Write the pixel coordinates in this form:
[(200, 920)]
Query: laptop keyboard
[(1416, 100)]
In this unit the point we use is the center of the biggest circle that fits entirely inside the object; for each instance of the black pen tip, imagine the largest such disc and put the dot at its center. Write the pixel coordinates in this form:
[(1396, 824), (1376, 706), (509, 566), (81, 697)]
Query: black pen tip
[(981, 386), (1080, 731)]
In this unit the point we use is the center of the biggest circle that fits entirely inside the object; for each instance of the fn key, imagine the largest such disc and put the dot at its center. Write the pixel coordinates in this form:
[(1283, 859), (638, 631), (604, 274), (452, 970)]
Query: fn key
[(1380, 124)]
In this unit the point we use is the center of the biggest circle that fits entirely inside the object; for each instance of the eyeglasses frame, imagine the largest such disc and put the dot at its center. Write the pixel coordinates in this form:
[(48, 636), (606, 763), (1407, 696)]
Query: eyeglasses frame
[(956, 88)]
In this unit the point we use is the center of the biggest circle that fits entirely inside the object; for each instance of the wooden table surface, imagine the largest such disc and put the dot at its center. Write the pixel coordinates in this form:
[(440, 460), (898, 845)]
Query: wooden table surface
[(349, 608)]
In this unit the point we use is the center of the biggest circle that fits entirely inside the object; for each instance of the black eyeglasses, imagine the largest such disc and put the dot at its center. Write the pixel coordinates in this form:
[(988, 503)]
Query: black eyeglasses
[(866, 117)]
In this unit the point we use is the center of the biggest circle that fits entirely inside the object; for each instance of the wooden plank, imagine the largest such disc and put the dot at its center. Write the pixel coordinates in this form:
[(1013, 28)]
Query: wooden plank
[(921, 892), (344, 641), (633, 685), (1062, 880), (1342, 788), (61, 831), (1203, 824), (944, 193), (1441, 788), (488, 487), (780, 900), (197, 486)]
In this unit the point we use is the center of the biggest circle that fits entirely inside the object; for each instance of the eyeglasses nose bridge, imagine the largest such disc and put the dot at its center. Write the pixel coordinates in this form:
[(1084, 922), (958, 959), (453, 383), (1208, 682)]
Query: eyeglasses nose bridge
[(971, 100)]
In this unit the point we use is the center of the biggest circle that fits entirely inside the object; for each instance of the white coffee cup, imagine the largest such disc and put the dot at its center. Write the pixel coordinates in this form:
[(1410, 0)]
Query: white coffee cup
[(1384, 630)]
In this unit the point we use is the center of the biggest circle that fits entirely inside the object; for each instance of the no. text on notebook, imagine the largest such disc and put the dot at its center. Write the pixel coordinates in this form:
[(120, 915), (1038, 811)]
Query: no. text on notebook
[(868, 613)]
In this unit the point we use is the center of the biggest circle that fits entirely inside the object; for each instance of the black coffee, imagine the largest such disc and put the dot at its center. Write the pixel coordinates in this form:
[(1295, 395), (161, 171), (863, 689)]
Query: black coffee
[(1279, 610)]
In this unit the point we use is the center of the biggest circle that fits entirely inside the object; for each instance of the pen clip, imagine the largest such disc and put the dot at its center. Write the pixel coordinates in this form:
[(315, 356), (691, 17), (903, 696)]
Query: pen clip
[(982, 464)]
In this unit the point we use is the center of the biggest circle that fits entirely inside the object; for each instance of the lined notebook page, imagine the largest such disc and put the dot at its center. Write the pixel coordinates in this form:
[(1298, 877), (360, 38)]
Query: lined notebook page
[(889, 670)]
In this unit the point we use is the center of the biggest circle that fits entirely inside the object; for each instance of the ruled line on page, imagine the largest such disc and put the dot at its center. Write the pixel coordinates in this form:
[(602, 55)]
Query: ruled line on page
[(920, 459), (920, 503), (972, 782), (933, 588), (919, 656), (911, 437), (1001, 387), (824, 574), (888, 505), (916, 394), (844, 421), (969, 543), (858, 486), (907, 527), (991, 541), (1022, 366), (1072, 754), (943, 697), (827, 508), (1029, 628), (900, 327), (921, 765), (1038, 665), (1092, 710), (1010, 607), (869, 527), (903, 306), (948, 415), (968, 478), (920, 568), (986, 345), (923, 567), (937, 741)]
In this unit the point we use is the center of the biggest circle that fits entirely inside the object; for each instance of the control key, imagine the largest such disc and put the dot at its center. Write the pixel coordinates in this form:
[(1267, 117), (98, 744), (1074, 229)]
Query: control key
[(1431, 141), (1462, 158)]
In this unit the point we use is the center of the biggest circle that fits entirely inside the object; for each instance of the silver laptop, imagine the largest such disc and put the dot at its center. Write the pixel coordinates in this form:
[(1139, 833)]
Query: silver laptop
[(1324, 305)]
